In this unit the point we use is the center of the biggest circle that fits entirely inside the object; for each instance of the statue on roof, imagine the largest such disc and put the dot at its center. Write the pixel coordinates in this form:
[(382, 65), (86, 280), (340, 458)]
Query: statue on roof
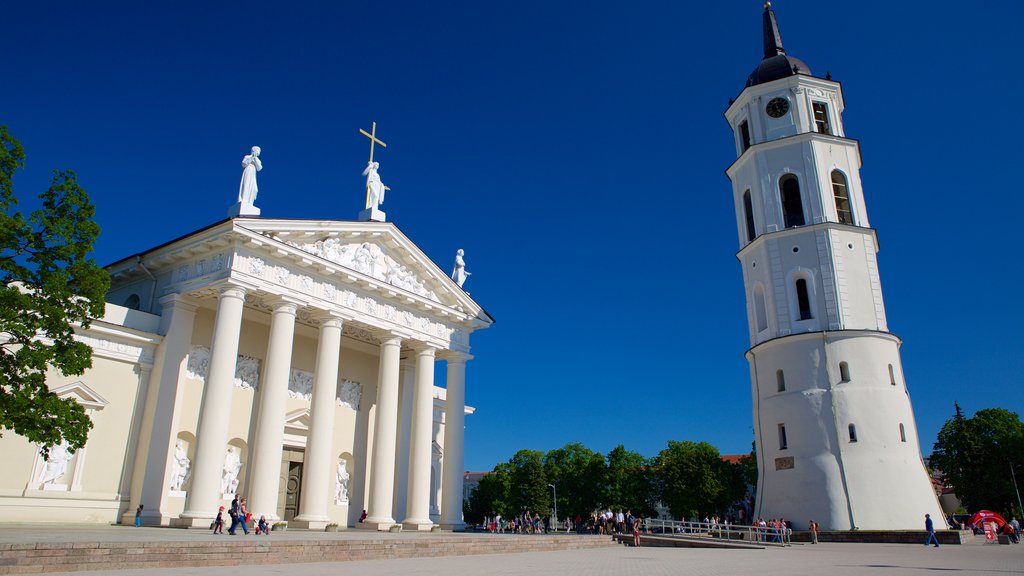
[(250, 166), (459, 274), (374, 187), (247, 189)]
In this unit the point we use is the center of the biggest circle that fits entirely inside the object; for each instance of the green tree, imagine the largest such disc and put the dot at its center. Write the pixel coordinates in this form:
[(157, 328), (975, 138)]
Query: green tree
[(628, 483), (491, 496), (579, 473), (48, 285), (695, 479), (529, 485), (975, 455)]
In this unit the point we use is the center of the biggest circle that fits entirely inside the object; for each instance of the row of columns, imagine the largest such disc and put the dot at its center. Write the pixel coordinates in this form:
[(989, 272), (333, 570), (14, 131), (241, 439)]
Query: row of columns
[(204, 498)]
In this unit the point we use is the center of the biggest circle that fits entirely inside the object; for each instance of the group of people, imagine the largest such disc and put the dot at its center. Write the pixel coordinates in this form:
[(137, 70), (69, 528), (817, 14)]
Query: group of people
[(778, 530), (240, 516), (525, 523)]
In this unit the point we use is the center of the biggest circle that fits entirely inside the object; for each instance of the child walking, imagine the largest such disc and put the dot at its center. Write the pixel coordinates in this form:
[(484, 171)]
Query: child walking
[(218, 524)]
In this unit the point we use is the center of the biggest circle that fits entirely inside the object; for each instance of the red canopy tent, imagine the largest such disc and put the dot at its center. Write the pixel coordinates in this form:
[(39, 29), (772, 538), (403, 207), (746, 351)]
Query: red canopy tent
[(982, 516)]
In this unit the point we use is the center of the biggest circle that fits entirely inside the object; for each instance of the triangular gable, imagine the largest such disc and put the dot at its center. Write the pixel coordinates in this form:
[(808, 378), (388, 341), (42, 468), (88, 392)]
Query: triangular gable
[(82, 394), (378, 250), (298, 420)]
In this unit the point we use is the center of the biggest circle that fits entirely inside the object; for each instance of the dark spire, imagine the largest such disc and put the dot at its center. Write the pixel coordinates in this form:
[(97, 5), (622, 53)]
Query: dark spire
[(772, 38), (776, 63)]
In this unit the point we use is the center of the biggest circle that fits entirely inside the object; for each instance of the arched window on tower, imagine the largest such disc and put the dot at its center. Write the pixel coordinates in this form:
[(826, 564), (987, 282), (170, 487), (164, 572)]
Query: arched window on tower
[(841, 193), (844, 372), (792, 205), (892, 376), (853, 433), (744, 136), (903, 433), (748, 213), (781, 378), (803, 299), (760, 313)]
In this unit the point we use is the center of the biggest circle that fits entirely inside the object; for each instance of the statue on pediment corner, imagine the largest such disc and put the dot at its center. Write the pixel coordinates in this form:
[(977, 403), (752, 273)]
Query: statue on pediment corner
[(459, 274)]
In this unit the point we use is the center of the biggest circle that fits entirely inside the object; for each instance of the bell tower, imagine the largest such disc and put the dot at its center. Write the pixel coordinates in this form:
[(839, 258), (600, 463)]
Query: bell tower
[(836, 439)]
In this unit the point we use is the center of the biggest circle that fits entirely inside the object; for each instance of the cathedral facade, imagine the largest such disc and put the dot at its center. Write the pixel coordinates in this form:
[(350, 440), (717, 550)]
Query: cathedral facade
[(288, 361), (835, 434)]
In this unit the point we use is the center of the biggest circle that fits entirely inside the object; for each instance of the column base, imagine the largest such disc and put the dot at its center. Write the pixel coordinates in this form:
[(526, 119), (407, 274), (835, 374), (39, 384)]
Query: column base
[(180, 522), (309, 524), (460, 527), (128, 519), (381, 526), (416, 525)]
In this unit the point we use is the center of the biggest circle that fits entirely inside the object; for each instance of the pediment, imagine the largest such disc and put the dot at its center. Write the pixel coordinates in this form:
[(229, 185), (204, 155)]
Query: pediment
[(377, 250), (298, 420), (82, 394)]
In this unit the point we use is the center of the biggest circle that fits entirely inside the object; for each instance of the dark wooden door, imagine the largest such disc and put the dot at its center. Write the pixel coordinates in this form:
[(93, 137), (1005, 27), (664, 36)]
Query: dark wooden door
[(292, 489)]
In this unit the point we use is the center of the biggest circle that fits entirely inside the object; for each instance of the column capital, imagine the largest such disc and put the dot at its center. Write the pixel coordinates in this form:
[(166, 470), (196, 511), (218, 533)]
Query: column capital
[(421, 348), (232, 291), (331, 318), (284, 304), (455, 357), (390, 339)]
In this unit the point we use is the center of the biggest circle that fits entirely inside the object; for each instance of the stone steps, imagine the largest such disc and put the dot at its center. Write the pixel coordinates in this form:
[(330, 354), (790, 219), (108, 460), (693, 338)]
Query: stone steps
[(39, 557)]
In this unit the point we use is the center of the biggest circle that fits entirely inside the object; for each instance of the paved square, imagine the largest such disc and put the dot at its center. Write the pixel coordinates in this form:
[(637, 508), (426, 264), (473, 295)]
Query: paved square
[(819, 560)]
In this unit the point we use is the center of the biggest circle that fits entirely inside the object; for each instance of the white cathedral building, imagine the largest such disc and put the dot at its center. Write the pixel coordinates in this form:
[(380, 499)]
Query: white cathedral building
[(835, 433), (289, 361)]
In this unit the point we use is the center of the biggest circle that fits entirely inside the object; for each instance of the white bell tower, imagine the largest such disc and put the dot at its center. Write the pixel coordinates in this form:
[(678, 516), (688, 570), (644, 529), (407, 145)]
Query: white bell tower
[(836, 440)]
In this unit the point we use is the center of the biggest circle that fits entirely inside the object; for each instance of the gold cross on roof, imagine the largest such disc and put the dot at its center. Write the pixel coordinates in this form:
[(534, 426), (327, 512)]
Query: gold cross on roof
[(372, 135)]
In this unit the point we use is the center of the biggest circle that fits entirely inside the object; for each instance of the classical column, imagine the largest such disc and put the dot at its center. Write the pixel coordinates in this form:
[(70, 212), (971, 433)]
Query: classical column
[(407, 378), (320, 464), (150, 477), (268, 438), (417, 514), (454, 424), (212, 433), (382, 469)]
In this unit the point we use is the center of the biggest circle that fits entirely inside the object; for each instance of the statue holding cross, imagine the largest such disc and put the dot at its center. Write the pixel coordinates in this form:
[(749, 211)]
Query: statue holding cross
[(374, 187)]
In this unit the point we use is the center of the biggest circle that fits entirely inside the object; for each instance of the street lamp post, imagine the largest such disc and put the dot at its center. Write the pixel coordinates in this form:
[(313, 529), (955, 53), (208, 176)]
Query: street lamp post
[(555, 495)]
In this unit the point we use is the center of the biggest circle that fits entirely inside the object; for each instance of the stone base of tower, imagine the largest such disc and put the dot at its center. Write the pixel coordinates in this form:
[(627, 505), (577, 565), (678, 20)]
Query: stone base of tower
[(835, 432)]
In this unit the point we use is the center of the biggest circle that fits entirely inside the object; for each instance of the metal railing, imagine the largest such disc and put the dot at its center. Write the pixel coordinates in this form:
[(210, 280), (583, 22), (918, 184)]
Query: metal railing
[(754, 534)]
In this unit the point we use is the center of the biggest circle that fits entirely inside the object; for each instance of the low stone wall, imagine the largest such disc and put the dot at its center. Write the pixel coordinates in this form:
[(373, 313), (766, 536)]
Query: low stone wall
[(885, 536), (16, 558)]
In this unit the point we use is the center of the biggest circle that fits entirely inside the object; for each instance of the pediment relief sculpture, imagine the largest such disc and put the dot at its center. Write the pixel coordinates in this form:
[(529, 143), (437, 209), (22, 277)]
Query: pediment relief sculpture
[(367, 258)]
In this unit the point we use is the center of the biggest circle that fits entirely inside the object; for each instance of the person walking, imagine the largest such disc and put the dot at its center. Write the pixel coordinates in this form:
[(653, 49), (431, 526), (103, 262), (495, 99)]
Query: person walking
[(138, 516), (218, 523), (814, 532), (636, 533), (929, 527)]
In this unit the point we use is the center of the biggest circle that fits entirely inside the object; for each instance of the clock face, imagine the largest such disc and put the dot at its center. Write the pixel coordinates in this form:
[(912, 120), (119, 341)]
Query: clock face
[(777, 107)]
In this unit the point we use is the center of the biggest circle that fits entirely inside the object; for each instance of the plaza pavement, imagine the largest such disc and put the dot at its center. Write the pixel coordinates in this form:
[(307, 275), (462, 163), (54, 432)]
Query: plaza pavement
[(817, 560)]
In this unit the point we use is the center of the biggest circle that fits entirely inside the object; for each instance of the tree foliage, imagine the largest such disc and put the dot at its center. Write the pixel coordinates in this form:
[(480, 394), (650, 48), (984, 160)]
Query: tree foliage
[(975, 455), (691, 478), (696, 480), (48, 284), (628, 482), (578, 473)]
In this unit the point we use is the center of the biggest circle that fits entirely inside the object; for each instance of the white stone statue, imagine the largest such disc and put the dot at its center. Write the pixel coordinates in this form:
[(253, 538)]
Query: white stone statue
[(374, 187), (459, 274), (250, 166), (56, 463), (232, 465), (180, 466), (341, 484)]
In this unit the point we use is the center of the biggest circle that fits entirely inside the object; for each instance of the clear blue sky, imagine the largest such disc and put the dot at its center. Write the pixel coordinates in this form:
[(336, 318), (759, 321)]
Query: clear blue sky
[(577, 153)]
